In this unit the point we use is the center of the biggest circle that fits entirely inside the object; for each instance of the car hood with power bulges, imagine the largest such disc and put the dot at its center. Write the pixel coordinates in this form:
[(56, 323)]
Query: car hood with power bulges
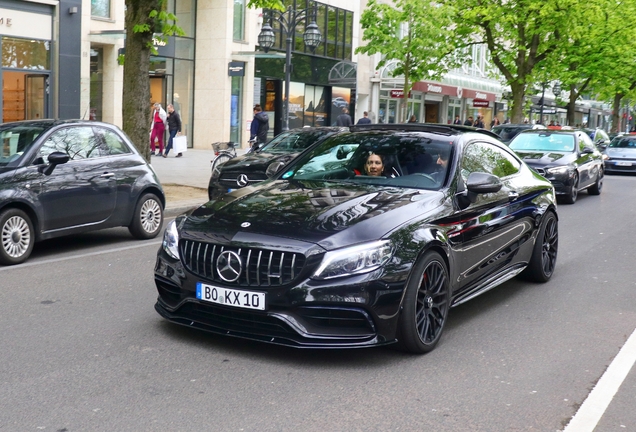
[(543, 158), (316, 212), (257, 161)]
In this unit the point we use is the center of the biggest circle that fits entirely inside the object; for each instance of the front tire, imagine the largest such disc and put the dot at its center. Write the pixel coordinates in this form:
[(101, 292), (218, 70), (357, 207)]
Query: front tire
[(596, 188), (544, 254), (148, 217), (574, 191), (16, 237), (426, 305)]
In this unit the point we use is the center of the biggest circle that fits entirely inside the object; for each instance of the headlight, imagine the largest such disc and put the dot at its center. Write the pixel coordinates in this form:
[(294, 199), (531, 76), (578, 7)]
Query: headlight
[(354, 260), (171, 240), (562, 170)]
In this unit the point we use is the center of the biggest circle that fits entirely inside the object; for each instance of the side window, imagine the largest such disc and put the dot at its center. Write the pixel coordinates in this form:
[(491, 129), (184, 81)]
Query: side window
[(79, 142), (114, 144), (585, 142), (485, 157)]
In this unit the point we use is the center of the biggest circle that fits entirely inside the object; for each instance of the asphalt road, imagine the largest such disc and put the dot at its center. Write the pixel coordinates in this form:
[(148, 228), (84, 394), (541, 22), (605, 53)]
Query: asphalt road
[(82, 348)]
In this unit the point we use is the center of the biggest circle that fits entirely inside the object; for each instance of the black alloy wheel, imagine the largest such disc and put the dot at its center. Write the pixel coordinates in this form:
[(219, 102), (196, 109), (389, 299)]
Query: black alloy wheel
[(596, 188), (544, 254), (574, 191), (426, 305)]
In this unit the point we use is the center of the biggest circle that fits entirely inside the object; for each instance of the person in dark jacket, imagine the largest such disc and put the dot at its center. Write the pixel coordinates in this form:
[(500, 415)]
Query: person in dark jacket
[(479, 123), (174, 128), (468, 121), (457, 121), (259, 127), (365, 119), (344, 119)]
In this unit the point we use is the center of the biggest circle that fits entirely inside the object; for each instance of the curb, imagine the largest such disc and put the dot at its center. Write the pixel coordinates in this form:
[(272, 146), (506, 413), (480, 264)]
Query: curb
[(175, 209)]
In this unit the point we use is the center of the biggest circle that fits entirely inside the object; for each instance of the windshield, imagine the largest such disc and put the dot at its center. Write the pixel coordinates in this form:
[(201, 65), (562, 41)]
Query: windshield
[(621, 142), (544, 141), (507, 133), (16, 140), (295, 140), (408, 159)]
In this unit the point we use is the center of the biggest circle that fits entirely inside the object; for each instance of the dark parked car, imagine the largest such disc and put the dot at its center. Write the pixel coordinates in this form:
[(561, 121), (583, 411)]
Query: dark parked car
[(251, 168), (620, 155), (508, 131), (600, 138), (60, 177), (568, 158), (335, 258)]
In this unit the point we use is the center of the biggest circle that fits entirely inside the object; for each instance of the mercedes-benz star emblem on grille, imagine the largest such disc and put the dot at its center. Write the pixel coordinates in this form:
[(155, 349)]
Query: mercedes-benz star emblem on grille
[(242, 180), (245, 224), (229, 266)]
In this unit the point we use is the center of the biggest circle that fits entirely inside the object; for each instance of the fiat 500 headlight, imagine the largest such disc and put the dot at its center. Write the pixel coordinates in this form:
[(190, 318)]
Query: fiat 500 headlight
[(354, 260), (171, 240)]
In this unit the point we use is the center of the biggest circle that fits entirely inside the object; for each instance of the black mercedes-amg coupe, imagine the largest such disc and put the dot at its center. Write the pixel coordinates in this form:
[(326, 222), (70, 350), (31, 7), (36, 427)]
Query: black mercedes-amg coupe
[(367, 238)]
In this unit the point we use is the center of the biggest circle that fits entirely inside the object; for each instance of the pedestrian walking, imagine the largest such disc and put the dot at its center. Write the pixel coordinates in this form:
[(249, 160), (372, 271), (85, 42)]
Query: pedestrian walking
[(468, 121), (494, 122), (174, 128), (413, 119), (364, 119), (157, 129), (457, 120), (344, 119), (479, 123), (259, 127)]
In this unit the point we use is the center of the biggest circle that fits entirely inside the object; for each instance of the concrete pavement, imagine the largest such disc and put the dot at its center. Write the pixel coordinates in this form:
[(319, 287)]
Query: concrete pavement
[(192, 169)]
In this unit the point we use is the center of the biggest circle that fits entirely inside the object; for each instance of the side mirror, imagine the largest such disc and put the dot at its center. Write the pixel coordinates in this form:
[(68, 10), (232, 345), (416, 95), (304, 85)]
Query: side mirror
[(587, 150), (483, 183), (55, 159), (478, 183)]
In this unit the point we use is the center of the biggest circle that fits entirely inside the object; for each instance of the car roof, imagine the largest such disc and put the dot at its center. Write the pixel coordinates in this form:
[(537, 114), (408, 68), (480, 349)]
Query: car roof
[(423, 127), (55, 122)]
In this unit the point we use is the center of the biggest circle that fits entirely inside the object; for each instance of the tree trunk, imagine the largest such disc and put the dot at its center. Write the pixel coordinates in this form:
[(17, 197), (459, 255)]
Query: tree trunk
[(616, 113), (518, 94), (572, 105), (136, 108)]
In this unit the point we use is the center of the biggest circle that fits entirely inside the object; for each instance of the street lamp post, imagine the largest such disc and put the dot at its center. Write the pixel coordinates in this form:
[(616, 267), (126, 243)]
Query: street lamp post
[(556, 89), (543, 86), (288, 20)]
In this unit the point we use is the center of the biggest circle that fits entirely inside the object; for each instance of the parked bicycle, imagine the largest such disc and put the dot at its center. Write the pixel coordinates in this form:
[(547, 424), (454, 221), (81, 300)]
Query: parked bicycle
[(222, 155)]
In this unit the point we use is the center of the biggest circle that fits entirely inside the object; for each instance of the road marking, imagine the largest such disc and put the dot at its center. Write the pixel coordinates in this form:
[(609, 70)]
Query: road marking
[(590, 413), (72, 257)]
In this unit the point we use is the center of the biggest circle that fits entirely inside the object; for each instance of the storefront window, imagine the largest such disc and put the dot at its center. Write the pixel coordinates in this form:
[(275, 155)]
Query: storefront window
[(235, 109), (182, 94), (25, 54), (97, 80), (100, 8), (239, 20), (184, 48), (184, 10)]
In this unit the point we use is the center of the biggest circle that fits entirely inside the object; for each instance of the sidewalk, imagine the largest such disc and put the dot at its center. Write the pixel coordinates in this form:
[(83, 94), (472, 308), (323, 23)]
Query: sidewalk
[(192, 170)]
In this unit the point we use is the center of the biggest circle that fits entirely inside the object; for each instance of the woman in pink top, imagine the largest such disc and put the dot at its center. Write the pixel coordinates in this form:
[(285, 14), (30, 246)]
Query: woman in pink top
[(157, 129)]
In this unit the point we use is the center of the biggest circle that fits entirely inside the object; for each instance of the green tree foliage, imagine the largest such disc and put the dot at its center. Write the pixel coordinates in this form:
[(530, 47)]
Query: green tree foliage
[(144, 20), (266, 4), (414, 34), (519, 34)]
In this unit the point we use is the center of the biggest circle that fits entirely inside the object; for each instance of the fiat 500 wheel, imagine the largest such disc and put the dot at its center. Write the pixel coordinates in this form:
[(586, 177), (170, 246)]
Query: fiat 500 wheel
[(544, 255), (16, 235), (148, 217), (426, 305)]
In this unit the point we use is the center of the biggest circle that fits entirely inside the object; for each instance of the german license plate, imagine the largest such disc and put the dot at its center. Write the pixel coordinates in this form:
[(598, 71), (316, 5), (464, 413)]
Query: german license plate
[(231, 297), (623, 163)]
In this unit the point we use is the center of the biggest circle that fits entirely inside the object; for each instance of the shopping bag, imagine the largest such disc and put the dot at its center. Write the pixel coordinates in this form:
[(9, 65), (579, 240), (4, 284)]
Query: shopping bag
[(180, 144)]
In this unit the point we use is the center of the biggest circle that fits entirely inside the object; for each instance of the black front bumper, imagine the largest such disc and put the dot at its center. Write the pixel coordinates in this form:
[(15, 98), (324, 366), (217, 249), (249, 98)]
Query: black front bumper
[(356, 313)]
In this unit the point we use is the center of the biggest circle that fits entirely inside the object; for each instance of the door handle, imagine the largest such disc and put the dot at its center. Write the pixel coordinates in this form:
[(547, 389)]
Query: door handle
[(512, 196), (107, 175)]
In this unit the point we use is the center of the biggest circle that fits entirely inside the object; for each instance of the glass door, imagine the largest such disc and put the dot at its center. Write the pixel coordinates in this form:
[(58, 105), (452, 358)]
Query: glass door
[(36, 88)]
